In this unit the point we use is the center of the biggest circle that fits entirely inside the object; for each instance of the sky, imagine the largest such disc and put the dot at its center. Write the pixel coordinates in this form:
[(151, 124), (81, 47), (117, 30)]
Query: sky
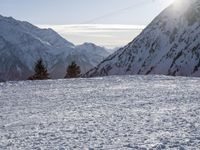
[(109, 23)]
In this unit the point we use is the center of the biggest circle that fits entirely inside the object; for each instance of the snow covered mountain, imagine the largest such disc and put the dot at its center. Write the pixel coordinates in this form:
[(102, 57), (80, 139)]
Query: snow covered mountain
[(97, 53), (22, 44), (170, 45), (87, 56)]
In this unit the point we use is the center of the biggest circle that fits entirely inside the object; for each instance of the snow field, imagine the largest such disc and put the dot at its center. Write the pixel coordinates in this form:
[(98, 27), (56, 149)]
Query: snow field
[(110, 113)]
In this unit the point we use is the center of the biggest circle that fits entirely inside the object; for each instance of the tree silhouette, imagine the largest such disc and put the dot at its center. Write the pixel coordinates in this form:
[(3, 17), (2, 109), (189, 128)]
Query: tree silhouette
[(41, 72), (73, 70)]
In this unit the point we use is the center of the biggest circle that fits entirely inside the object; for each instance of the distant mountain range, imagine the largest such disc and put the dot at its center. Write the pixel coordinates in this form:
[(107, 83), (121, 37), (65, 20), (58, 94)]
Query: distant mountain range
[(22, 44), (169, 45)]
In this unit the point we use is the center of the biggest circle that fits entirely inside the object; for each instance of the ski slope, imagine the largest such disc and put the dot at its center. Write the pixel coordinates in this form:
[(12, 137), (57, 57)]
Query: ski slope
[(109, 113)]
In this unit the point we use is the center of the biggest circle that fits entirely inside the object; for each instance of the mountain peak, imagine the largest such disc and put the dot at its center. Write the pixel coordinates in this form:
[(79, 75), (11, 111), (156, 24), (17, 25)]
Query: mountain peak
[(170, 45), (88, 44), (22, 44)]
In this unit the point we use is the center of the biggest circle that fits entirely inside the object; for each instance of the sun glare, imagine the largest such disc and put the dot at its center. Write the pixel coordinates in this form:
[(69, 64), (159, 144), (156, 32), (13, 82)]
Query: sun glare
[(175, 2), (179, 4), (166, 3)]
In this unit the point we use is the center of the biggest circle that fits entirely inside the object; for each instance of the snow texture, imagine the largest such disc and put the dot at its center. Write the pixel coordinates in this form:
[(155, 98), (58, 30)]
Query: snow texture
[(118, 113)]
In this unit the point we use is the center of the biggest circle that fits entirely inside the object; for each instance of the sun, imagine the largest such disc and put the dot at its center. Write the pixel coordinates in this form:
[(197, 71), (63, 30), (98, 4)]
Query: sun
[(167, 2), (175, 3), (180, 4)]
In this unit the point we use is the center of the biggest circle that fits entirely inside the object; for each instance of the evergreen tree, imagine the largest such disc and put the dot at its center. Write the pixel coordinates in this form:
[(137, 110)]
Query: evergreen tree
[(73, 70), (41, 72)]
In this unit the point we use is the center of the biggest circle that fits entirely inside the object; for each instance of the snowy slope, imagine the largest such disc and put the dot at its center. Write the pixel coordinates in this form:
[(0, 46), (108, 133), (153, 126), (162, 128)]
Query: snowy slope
[(94, 52), (115, 113), (170, 45), (87, 56), (22, 44)]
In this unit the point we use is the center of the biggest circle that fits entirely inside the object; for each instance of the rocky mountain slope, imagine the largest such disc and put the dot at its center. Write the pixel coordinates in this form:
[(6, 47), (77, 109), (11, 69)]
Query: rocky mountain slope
[(170, 45), (22, 44)]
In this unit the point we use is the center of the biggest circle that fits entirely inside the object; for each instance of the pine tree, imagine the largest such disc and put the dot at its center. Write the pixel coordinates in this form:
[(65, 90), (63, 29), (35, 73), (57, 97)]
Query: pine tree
[(41, 72), (73, 70)]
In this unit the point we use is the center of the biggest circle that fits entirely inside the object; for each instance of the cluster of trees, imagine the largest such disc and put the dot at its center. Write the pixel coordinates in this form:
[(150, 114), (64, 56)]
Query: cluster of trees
[(41, 72)]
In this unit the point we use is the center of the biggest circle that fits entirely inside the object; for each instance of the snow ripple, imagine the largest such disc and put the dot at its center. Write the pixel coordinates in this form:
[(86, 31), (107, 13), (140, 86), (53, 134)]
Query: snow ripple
[(129, 112)]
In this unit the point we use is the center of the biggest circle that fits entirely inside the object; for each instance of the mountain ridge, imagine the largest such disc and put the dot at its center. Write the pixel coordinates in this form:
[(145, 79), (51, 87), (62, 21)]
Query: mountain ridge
[(169, 45), (22, 44)]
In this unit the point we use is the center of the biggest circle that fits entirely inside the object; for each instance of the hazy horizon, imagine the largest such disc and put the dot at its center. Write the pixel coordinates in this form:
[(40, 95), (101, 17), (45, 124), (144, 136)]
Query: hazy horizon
[(105, 23), (105, 35)]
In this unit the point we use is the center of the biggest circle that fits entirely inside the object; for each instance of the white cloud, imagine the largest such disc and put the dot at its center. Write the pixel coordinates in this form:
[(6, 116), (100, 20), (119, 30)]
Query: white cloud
[(110, 35)]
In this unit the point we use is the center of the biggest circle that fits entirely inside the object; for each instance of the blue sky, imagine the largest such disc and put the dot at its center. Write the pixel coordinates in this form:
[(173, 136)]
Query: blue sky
[(54, 13)]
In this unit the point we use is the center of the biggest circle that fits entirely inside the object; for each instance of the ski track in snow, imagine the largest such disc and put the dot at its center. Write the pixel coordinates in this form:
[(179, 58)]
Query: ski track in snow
[(111, 113)]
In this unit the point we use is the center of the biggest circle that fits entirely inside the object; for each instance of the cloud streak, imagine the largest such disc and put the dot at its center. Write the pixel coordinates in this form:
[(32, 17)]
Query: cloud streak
[(109, 35)]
